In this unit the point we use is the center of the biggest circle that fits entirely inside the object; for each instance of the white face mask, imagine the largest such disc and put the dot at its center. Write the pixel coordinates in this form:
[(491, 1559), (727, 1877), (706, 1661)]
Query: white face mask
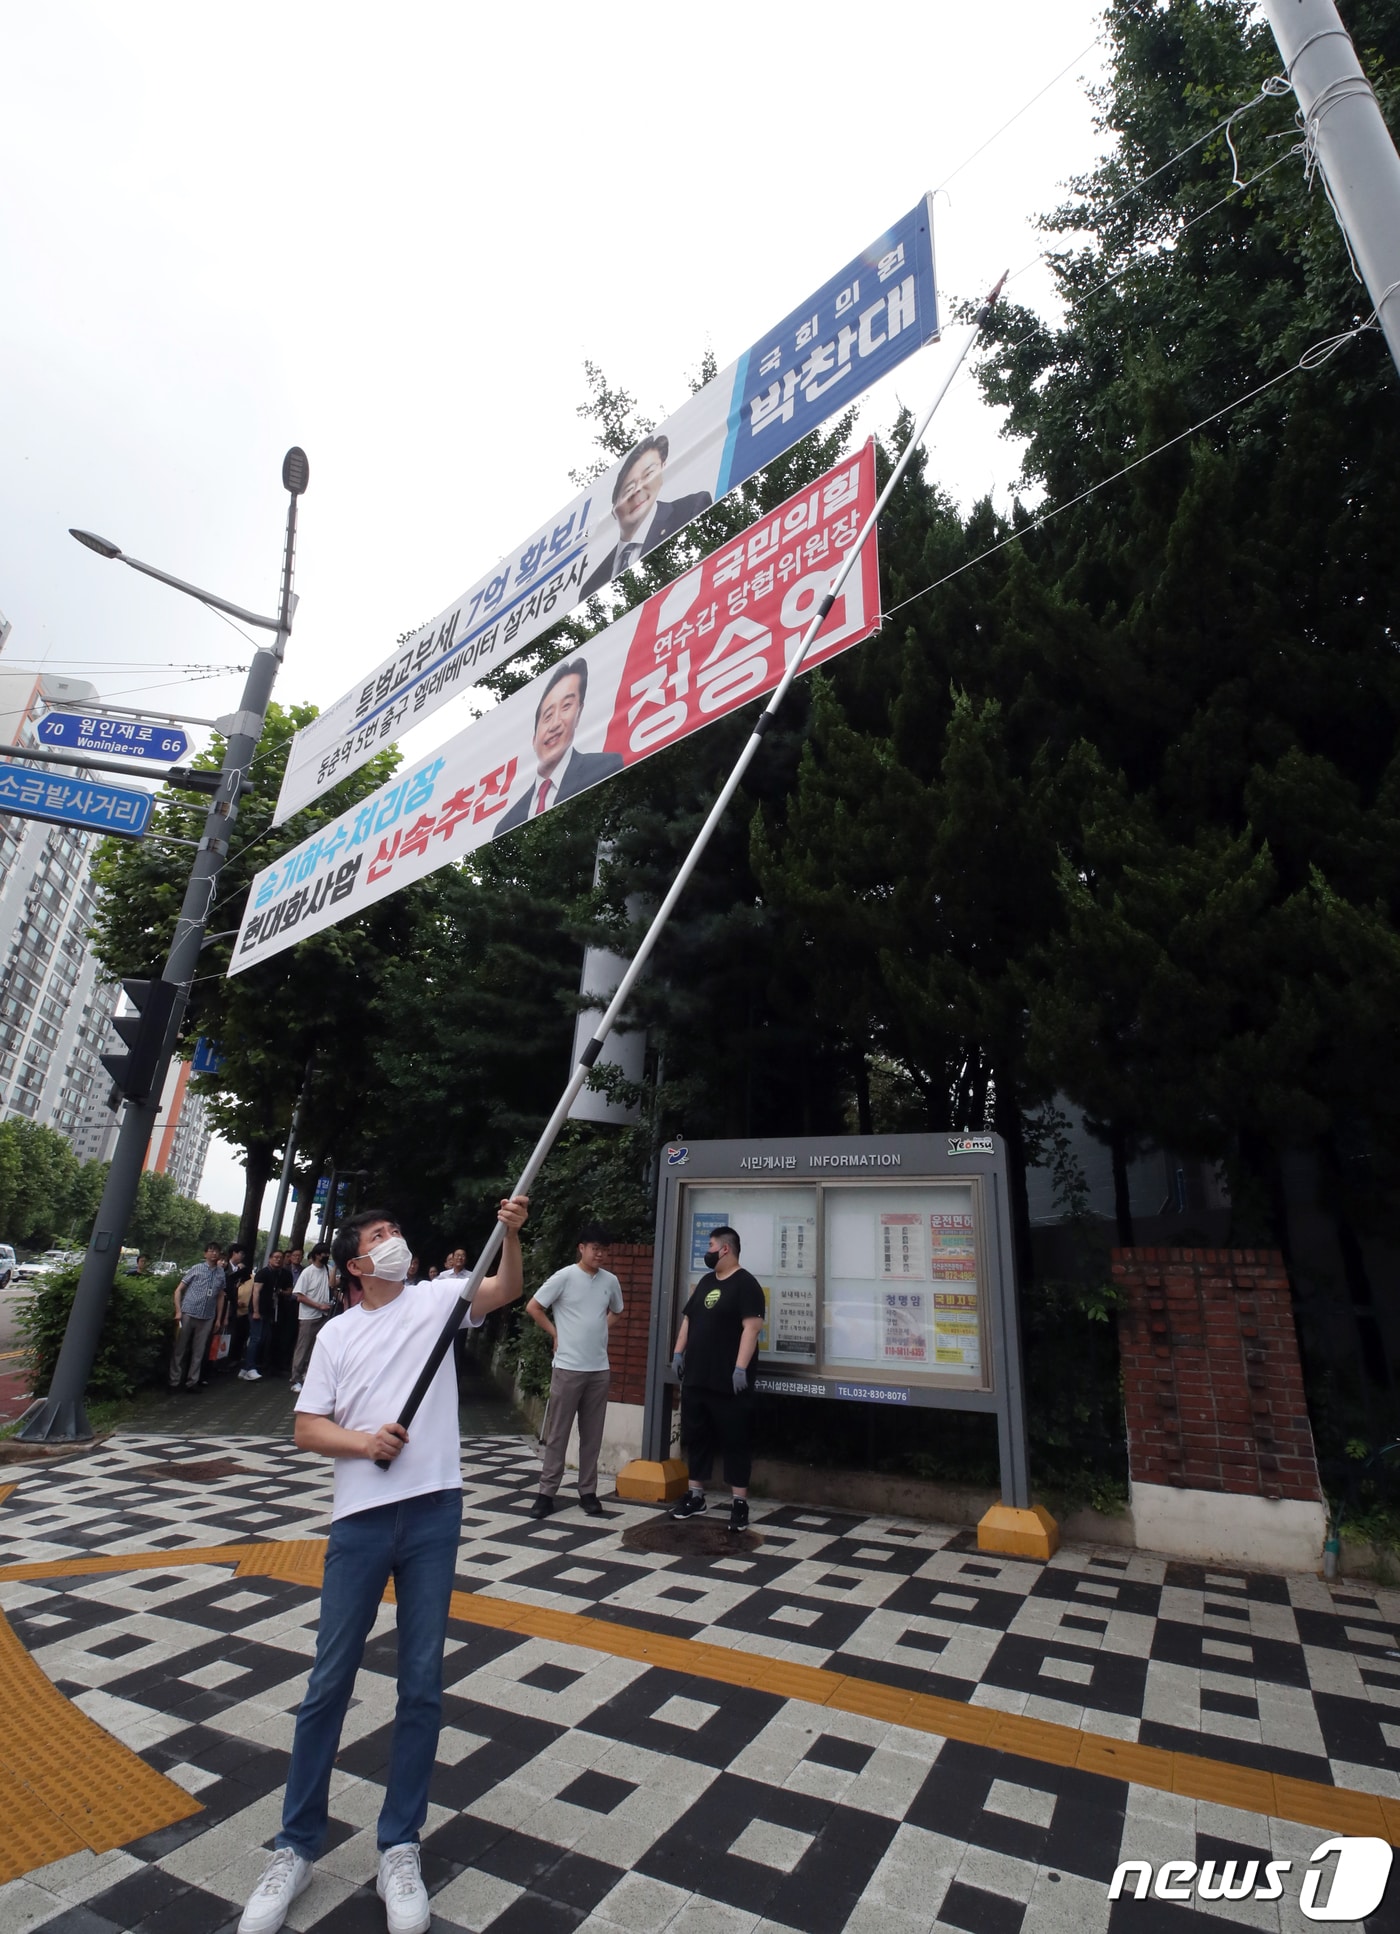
[(389, 1260)]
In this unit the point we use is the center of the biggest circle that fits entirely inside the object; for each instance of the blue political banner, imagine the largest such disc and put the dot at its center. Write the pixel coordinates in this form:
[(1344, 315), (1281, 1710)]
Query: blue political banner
[(127, 738), (854, 330), (861, 324), (74, 802)]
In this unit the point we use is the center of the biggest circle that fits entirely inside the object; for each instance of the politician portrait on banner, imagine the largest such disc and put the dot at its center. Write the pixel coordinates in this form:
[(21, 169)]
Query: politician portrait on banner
[(642, 518), (859, 326), (719, 636), (559, 768)]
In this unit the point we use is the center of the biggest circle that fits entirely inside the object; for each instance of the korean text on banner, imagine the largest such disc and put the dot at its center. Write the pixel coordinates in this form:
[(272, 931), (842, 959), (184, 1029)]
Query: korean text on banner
[(864, 322), (716, 638)]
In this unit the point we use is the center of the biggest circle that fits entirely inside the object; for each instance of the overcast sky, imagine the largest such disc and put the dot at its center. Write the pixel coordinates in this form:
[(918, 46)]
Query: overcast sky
[(394, 235)]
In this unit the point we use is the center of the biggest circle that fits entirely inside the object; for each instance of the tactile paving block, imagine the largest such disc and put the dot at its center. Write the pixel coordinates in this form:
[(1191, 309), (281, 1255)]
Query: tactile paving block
[(33, 1836), (77, 1783), (301, 1559)]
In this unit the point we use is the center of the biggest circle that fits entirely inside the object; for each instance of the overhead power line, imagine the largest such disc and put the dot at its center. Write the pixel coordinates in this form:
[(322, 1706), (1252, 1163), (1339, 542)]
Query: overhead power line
[(1025, 106), (1311, 358)]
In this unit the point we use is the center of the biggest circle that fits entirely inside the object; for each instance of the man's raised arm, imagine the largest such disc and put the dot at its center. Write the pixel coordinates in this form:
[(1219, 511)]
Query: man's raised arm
[(509, 1279)]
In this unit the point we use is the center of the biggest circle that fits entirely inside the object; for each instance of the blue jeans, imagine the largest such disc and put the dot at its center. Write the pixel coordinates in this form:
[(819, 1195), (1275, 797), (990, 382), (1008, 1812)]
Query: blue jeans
[(252, 1349), (416, 1542)]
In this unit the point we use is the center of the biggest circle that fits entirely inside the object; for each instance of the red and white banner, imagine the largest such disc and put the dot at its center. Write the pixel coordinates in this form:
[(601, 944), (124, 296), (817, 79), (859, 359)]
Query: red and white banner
[(708, 643)]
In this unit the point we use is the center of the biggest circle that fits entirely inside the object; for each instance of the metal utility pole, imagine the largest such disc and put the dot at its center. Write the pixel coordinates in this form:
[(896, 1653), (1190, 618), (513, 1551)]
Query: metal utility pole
[(61, 1416), (1349, 143), (279, 1207)]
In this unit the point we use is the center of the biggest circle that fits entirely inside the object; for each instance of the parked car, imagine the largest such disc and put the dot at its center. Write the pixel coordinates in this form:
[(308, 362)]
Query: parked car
[(51, 1261), (7, 1265)]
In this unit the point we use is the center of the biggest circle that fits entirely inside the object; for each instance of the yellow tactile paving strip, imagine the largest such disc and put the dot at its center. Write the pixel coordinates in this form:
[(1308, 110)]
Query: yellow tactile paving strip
[(65, 1784), (5, 1490), (1336, 1808)]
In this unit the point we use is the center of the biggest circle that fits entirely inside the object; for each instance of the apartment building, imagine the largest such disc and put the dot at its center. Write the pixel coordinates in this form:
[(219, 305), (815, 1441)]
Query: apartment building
[(55, 1011), (180, 1138)]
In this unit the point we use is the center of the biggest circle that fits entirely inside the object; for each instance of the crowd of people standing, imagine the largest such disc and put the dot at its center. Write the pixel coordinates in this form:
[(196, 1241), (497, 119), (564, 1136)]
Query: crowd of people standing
[(233, 1318), (251, 1322)]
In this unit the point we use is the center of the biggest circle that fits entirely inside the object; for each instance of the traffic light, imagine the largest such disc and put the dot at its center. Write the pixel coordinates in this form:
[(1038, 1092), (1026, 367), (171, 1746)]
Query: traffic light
[(144, 1034)]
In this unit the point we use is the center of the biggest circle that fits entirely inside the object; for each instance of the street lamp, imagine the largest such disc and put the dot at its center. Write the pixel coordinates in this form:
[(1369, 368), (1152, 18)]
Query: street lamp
[(61, 1417)]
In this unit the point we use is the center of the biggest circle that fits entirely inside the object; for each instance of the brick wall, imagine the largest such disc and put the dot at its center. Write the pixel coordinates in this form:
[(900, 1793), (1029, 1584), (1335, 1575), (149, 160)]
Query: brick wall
[(630, 1262), (1212, 1385)]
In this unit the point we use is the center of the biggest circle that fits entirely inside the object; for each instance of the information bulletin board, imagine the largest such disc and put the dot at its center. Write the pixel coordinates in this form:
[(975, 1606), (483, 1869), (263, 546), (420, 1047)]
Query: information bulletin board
[(867, 1277), (886, 1269)]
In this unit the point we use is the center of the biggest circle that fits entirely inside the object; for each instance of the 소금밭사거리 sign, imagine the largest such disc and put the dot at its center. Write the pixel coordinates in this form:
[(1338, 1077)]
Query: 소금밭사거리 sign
[(133, 739), (865, 321), (74, 802), (710, 642)]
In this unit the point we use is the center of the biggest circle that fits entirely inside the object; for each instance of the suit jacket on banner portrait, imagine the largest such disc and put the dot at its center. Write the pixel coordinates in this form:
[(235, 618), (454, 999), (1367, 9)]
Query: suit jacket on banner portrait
[(584, 769), (668, 519), (712, 641)]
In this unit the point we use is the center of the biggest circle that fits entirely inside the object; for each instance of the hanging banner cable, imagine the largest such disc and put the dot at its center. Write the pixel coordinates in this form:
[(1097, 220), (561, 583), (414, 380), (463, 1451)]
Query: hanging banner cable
[(594, 1048)]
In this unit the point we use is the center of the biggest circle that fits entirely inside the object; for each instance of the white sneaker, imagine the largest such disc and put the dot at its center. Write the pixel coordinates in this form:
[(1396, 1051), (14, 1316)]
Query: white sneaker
[(253, 1376), (296, 1386), (285, 1876), (400, 1887)]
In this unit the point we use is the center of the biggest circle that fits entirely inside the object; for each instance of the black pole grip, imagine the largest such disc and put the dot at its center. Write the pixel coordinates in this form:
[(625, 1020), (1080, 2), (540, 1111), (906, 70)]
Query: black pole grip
[(429, 1371)]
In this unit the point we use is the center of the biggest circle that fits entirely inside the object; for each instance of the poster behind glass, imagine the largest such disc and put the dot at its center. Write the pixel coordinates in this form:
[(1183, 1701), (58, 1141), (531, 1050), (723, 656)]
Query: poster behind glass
[(777, 1229), (900, 1289)]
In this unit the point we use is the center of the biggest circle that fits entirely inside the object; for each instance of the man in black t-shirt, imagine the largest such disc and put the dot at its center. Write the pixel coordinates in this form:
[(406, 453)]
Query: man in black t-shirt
[(714, 1349), (277, 1307)]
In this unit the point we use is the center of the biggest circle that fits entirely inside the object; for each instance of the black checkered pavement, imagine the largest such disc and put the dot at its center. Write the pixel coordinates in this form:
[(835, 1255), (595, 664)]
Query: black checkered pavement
[(575, 1789)]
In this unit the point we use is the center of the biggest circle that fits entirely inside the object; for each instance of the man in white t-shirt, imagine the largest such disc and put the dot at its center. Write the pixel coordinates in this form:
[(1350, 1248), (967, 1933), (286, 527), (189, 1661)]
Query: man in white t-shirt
[(403, 1523), (576, 1309), (313, 1297)]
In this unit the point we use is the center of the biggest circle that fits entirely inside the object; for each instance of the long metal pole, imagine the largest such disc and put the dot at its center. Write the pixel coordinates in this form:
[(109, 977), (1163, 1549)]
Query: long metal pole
[(128, 768), (61, 1415), (289, 1154), (692, 859), (1348, 140)]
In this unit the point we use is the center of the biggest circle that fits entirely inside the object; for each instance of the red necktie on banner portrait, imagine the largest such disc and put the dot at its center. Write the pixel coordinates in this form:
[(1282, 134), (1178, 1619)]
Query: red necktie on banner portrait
[(542, 798)]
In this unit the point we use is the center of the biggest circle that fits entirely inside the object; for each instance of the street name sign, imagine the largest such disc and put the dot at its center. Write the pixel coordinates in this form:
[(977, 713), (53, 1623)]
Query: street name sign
[(74, 802), (127, 738)]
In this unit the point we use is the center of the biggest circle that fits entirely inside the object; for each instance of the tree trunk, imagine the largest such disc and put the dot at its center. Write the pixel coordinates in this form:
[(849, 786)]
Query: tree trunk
[(306, 1197), (1006, 1115), (1259, 1202), (863, 1117), (1122, 1201), (257, 1165), (977, 1110)]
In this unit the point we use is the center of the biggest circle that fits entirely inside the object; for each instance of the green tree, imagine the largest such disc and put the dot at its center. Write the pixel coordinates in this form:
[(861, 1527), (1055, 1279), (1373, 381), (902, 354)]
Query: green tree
[(83, 1199), (1228, 900), (267, 1021), (165, 1223), (38, 1170)]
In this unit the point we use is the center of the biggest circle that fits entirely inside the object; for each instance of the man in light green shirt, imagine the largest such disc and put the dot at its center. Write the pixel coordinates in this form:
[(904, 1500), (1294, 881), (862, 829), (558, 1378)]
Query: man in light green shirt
[(576, 1309)]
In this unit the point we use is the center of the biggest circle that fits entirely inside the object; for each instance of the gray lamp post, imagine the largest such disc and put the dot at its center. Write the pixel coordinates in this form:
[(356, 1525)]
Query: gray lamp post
[(61, 1417)]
